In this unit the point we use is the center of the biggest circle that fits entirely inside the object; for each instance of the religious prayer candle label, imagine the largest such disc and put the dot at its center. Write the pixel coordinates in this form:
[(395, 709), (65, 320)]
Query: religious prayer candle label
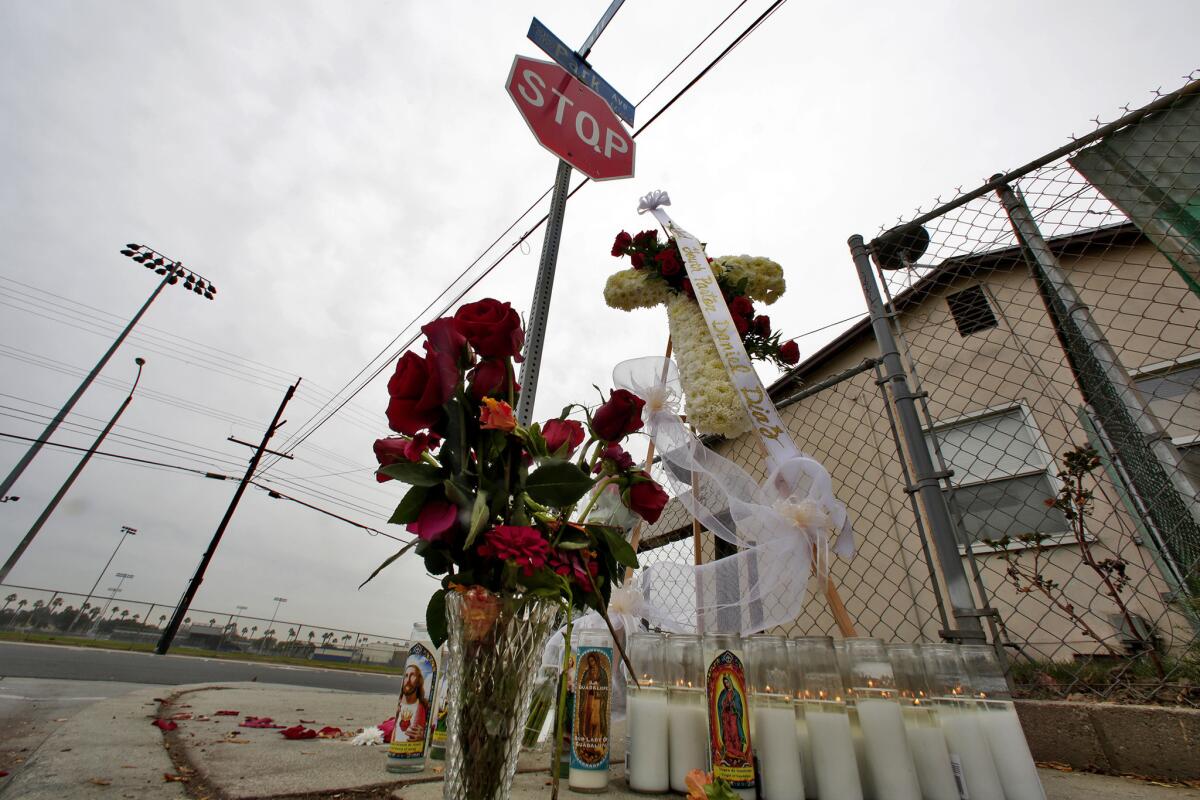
[(439, 729), (590, 716), (729, 721), (413, 715)]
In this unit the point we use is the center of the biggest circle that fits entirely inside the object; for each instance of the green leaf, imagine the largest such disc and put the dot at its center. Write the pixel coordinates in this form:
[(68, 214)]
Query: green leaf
[(557, 483), (410, 506), (453, 451), (479, 518), (414, 473), (435, 617), (621, 549), (573, 540), (459, 494), (389, 560)]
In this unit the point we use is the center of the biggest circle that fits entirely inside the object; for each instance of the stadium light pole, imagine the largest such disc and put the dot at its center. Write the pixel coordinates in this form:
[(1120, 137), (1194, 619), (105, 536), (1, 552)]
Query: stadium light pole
[(172, 272), (66, 486), (125, 531), (278, 602)]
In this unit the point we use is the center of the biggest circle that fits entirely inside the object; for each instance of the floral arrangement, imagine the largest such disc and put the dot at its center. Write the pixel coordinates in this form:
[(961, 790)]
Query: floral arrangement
[(533, 510), (658, 277)]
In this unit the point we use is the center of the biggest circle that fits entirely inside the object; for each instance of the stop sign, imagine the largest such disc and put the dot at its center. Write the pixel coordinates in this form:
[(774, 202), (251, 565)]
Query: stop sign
[(570, 120)]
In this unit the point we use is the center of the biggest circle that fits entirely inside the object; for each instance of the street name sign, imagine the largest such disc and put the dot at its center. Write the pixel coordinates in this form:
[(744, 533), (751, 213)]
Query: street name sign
[(570, 120), (569, 60)]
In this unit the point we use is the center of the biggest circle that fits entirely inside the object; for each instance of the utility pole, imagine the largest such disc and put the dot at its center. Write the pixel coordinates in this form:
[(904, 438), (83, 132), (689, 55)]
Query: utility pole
[(62, 491), (539, 312), (171, 271), (189, 594)]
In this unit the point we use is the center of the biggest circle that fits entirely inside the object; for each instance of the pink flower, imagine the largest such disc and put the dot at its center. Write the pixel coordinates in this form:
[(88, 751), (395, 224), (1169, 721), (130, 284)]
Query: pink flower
[(560, 432), (391, 450), (520, 544)]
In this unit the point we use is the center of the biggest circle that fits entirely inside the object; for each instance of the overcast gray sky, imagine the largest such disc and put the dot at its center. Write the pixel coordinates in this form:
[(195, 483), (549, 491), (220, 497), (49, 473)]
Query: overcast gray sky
[(332, 166)]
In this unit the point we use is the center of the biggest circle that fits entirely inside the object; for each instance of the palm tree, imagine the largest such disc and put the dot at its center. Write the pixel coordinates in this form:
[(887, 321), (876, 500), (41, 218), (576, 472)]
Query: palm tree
[(163, 618), (125, 614), (38, 604), (345, 639), (12, 598), (56, 602), (95, 612), (245, 630), (114, 611), (212, 621), (253, 631), (136, 617), (186, 620)]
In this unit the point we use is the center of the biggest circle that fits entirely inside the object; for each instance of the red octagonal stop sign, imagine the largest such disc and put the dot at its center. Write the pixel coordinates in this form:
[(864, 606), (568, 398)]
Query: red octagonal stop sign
[(570, 120)]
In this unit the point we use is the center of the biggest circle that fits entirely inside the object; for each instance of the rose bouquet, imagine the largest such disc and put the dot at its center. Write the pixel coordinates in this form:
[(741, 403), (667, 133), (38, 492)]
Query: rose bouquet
[(500, 506)]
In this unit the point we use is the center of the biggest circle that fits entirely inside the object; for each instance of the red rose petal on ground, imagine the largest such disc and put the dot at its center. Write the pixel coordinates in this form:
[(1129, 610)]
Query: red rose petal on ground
[(226, 713), (258, 722), (165, 724), (329, 732), (298, 732)]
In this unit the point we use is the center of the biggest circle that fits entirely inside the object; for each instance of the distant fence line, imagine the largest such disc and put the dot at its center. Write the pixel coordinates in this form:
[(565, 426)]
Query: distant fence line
[(108, 616)]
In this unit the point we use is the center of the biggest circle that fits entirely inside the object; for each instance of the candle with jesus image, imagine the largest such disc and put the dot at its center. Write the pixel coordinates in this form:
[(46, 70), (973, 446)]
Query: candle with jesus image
[(414, 715), (731, 753)]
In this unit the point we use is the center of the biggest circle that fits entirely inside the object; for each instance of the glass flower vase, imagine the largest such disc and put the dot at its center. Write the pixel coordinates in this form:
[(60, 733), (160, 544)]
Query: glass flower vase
[(494, 648)]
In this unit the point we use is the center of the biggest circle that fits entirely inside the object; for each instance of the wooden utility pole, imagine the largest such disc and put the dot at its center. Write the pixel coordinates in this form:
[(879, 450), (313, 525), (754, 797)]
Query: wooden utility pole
[(189, 594)]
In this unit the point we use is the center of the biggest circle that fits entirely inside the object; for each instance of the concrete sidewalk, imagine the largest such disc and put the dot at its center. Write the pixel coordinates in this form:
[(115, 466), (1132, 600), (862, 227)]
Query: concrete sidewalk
[(112, 750)]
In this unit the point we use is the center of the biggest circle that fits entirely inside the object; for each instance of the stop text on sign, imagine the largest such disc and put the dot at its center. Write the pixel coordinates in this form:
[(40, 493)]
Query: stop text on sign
[(570, 120)]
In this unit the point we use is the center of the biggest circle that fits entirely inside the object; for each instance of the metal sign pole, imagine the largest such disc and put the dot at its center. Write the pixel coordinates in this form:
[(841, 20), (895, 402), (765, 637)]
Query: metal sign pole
[(538, 314)]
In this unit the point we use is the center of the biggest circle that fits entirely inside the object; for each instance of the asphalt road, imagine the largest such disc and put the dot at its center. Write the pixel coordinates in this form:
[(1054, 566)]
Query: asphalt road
[(48, 661)]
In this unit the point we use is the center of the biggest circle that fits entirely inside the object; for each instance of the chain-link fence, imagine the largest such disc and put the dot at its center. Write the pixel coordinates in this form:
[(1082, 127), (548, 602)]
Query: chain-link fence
[(38, 614), (1028, 471)]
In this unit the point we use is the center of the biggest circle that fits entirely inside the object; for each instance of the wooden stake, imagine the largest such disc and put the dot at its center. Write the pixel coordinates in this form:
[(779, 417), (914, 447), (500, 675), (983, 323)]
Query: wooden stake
[(636, 540)]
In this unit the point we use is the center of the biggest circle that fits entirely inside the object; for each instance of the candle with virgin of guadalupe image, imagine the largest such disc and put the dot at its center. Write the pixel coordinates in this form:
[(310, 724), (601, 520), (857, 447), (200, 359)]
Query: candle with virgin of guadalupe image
[(592, 713), (728, 704)]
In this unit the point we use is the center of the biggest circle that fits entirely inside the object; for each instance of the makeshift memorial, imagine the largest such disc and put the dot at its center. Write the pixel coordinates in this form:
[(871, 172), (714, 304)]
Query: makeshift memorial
[(508, 516), (826, 720)]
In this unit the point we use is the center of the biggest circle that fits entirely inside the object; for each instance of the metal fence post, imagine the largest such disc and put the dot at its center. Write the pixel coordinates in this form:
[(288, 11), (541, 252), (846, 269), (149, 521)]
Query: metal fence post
[(1149, 458), (925, 484)]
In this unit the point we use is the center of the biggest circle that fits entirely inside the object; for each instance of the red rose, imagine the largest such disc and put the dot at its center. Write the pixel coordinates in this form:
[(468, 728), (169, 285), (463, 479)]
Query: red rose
[(616, 454), (621, 244), (560, 432), (444, 348), (619, 417), (493, 328), (435, 521), (762, 325), (389, 451), (789, 352), (490, 379), (687, 288), (741, 306), (518, 543), (569, 563), (406, 413), (668, 262), (638, 260), (646, 238), (647, 499)]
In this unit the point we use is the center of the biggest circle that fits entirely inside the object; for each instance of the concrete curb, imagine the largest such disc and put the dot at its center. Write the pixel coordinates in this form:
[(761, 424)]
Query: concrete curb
[(1160, 742), (108, 750)]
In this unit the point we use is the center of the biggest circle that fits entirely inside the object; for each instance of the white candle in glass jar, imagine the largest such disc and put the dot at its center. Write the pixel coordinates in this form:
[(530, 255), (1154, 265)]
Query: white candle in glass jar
[(804, 744), (1010, 751), (886, 745), (646, 720), (778, 752), (687, 735), (860, 755), (833, 751), (930, 756), (969, 750)]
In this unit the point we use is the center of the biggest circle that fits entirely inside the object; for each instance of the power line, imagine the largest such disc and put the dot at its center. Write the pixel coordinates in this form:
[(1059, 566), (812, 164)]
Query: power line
[(181, 468), (721, 56)]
